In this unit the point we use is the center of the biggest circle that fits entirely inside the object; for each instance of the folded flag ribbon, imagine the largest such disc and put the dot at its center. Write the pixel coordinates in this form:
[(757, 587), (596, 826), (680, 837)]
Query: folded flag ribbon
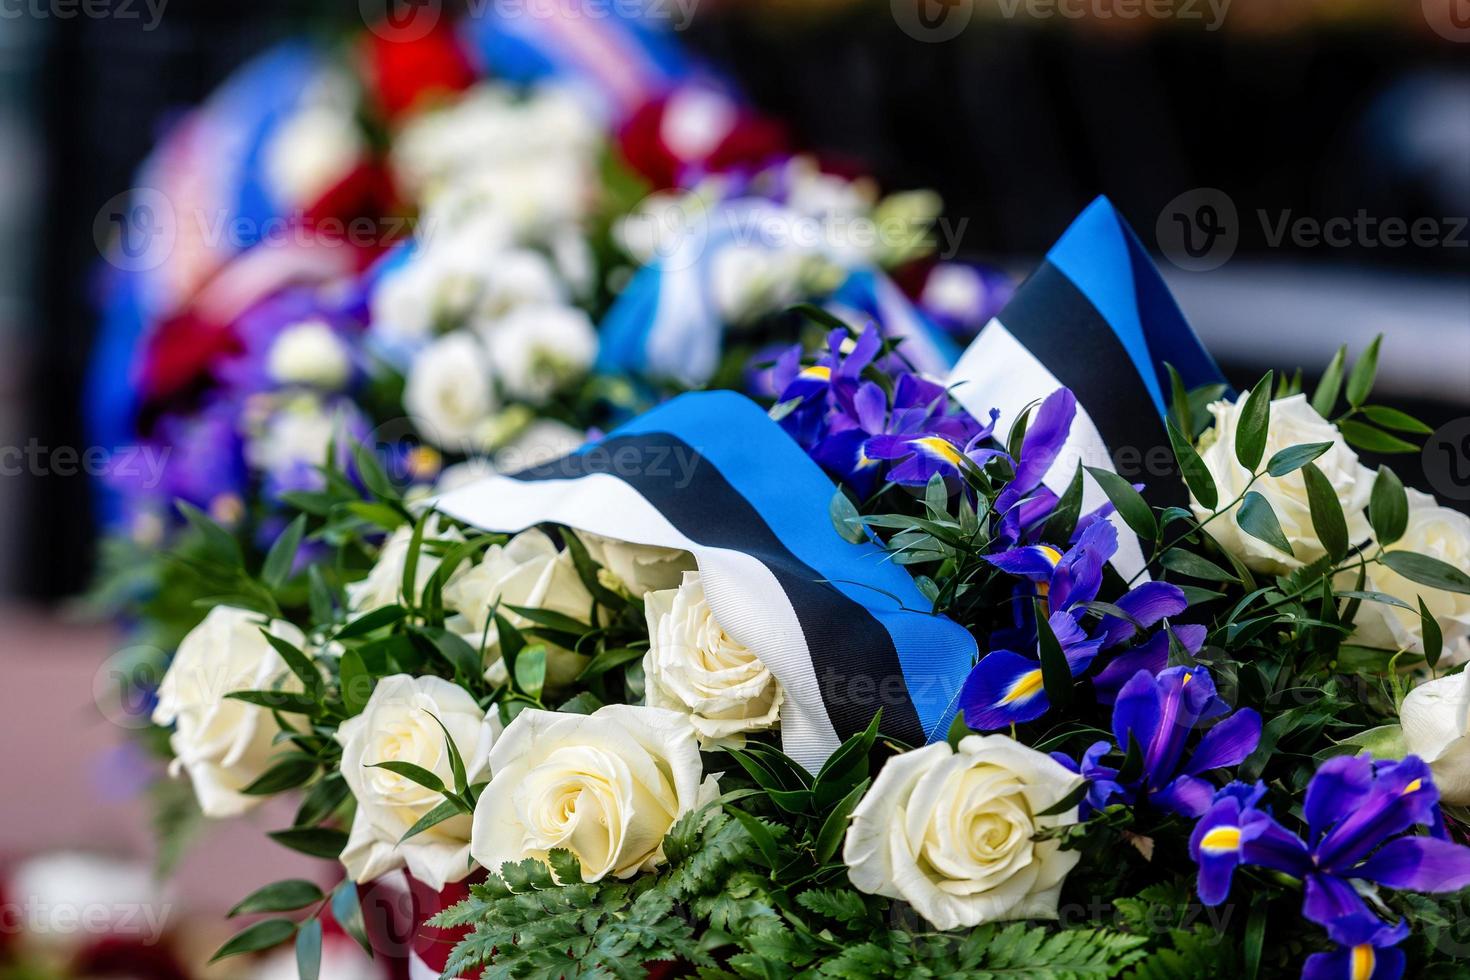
[(667, 322), (1097, 318), (842, 628)]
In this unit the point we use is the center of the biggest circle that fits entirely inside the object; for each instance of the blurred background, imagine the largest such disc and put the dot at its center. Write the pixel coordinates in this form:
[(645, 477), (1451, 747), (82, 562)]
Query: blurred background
[(1301, 168)]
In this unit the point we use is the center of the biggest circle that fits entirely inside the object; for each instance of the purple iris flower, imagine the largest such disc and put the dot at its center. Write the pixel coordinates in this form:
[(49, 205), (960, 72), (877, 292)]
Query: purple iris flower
[(1006, 687), (830, 383), (197, 457), (1358, 813), (1365, 951), (1161, 713)]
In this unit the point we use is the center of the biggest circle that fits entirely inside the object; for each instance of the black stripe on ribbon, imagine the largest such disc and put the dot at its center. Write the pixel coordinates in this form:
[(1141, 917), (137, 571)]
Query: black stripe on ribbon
[(1058, 324), (853, 657)]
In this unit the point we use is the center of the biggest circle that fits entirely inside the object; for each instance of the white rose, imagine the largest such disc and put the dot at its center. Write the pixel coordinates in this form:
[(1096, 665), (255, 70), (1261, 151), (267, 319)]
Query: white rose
[(1436, 722), (952, 832), (638, 569), (223, 744), (1439, 533), (537, 349), (605, 786), (526, 571), (398, 725), (449, 395), (693, 667), (309, 353), (1293, 422), (383, 585)]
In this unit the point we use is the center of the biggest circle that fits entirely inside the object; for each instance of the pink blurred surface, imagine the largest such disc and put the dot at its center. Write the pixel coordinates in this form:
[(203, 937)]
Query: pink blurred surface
[(59, 794)]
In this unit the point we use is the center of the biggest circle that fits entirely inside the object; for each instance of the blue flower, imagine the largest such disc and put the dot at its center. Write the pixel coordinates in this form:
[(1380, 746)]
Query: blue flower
[(1365, 952), (1005, 688), (1161, 713), (1358, 813)]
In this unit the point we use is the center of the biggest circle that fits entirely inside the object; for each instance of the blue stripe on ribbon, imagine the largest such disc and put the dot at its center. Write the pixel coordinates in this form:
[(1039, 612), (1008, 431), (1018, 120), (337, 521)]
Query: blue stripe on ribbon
[(869, 291), (1102, 256), (793, 495)]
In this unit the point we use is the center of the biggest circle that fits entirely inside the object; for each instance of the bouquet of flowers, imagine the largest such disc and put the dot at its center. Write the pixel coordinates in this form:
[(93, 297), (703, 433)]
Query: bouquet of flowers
[(879, 672), (441, 248)]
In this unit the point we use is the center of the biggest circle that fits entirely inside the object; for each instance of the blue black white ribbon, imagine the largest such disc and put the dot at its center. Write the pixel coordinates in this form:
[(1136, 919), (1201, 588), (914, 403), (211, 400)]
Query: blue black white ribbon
[(843, 629), (1097, 318)]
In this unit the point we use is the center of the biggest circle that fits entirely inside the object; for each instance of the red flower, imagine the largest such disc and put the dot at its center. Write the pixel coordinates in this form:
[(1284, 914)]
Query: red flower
[(401, 74)]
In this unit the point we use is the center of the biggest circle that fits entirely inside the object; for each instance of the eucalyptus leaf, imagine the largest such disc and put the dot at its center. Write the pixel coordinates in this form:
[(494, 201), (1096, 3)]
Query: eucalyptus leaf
[(282, 556), (1326, 510), (1428, 571), (1257, 518), (1254, 424), (1130, 504), (309, 950), (1365, 369), (279, 896), (1325, 397), (1433, 636), (1293, 458), (1388, 507), (846, 519), (1362, 436), (1196, 474), (253, 939)]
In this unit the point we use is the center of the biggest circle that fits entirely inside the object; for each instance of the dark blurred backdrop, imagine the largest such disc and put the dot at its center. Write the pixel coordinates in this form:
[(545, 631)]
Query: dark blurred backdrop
[(1017, 122)]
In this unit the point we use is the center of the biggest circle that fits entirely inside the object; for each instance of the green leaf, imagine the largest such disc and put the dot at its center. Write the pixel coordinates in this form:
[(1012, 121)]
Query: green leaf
[(219, 544), (322, 842), (286, 701), (1179, 409), (1131, 506), (1257, 518), (323, 610), (371, 622), (464, 659), (764, 839), (309, 951), (936, 497), (280, 896), (292, 771), (1392, 418), (1362, 436), (356, 682), (253, 939), (413, 773), (1293, 458), (530, 670), (300, 663), (846, 519), (347, 911), (1254, 424), (282, 555), (1428, 571), (1063, 520), (607, 660), (1132, 766), (444, 811), (1365, 369), (409, 585), (456, 761), (1433, 636), (1327, 517), (322, 800), (1255, 935), (834, 828), (1325, 397), (1067, 802), (1388, 507), (1196, 474), (1188, 563), (371, 473), (552, 620), (1056, 673)]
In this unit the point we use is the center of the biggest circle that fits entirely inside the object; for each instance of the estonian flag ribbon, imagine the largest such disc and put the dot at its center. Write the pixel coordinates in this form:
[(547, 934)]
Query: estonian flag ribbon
[(1095, 317), (843, 629)]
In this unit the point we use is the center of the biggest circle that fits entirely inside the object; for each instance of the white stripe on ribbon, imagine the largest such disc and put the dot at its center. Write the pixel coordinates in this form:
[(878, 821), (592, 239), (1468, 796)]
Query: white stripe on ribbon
[(743, 594), (418, 969), (997, 371)]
